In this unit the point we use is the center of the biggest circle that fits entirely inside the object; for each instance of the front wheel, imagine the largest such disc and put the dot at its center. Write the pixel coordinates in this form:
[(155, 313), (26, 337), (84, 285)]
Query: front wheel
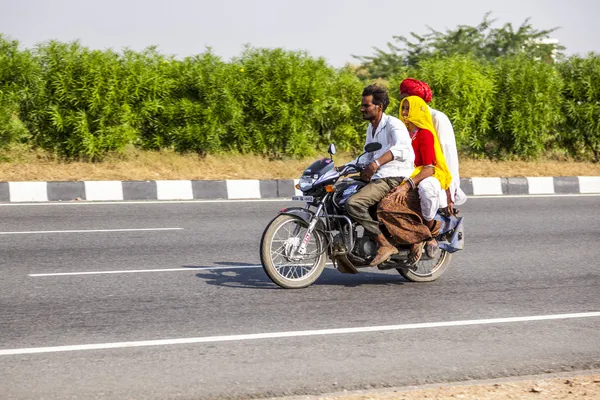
[(427, 270), (280, 256)]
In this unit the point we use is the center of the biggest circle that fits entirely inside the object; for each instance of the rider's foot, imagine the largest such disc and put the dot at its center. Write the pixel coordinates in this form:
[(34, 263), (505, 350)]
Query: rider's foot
[(385, 251), (434, 226), (416, 251), (383, 254), (432, 249)]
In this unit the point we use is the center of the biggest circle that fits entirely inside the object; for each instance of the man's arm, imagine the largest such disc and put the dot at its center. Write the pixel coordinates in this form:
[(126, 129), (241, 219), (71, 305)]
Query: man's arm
[(368, 172), (400, 140), (401, 145)]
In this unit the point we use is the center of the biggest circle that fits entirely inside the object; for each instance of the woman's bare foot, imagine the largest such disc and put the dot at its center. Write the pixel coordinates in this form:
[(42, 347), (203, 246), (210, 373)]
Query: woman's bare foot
[(431, 248)]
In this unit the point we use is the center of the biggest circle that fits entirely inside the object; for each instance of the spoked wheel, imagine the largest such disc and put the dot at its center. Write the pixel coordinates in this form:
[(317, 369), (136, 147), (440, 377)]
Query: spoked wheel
[(280, 256), (427, 270)]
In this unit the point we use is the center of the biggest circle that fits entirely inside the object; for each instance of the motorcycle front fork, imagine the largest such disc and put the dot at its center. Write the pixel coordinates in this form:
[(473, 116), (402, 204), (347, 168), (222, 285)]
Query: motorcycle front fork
[(311, 227)]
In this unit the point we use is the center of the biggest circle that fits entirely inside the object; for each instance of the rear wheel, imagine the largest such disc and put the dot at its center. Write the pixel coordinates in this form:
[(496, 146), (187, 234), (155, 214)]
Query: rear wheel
[(279, 253), (427, 270)]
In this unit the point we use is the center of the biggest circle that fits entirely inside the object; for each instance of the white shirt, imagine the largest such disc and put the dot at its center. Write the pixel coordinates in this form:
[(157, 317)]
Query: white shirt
[(445, 134), (394, 137)]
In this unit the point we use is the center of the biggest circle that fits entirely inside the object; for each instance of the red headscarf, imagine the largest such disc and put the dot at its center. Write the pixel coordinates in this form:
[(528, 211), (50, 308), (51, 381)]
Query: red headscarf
[(414, 87)]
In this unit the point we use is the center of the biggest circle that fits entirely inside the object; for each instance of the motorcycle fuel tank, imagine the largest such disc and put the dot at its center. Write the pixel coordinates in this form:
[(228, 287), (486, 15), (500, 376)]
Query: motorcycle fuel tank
[(345, 189)]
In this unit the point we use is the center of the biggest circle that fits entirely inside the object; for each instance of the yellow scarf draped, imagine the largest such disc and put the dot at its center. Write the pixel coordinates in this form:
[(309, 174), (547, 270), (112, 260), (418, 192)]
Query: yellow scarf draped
[(419, 114)]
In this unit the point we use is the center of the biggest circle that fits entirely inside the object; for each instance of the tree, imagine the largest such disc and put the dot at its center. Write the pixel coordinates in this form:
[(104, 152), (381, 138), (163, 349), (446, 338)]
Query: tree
[(481, 41)]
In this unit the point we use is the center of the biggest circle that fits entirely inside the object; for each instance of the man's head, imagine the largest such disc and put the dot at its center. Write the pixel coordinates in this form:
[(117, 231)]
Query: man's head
[(414, 87), (374, 102)]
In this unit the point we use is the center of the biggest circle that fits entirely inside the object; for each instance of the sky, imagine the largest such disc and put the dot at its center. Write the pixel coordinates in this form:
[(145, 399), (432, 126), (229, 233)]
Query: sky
[(333, 29)]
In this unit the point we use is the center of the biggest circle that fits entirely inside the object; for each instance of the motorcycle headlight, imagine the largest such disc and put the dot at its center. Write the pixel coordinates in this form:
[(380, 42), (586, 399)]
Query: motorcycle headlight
[(305, 183)]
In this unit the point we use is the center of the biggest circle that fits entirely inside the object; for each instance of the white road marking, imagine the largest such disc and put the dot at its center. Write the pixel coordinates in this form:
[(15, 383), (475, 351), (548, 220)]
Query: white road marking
[(97, 203), (92, 231), (275, 335), (133, 271)]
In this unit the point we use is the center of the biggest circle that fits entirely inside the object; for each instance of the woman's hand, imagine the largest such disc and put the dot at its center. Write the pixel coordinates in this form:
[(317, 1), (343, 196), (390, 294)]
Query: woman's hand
[(450, 208), (399, 193)]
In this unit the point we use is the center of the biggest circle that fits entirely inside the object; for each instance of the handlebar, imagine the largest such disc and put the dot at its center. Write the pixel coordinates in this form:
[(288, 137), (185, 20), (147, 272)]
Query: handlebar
[(348, 169)]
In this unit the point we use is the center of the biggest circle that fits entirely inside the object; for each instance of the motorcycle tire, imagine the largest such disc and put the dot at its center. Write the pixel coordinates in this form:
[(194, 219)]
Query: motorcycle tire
[(291, 279), (423, 273)]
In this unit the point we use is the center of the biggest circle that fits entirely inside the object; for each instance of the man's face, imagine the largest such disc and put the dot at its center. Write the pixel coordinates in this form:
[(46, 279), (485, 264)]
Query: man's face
[(369, 110)]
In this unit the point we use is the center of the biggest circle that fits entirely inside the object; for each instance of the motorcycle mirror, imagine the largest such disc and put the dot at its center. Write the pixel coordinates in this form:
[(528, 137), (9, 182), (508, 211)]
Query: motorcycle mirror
[(331, 149), (373, 146)]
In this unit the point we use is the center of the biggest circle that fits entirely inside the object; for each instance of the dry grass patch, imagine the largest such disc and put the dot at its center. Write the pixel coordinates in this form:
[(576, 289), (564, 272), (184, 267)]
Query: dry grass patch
[(29, 165), (470, 168)]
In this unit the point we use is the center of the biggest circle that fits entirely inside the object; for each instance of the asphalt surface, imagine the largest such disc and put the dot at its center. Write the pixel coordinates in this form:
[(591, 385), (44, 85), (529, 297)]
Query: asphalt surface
[(530, 256)]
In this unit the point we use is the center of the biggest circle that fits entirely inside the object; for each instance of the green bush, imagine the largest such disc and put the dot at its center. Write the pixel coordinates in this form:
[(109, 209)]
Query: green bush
[(282, 93), (527, 107), (12, 129), (16, 72), (463, 88), (581, 130), (338, 119), (83, 104), (79, 108), (205, 110)]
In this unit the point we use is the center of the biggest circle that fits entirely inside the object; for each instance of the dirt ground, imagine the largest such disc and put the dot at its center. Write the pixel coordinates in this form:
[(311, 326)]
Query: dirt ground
[(585, 385)]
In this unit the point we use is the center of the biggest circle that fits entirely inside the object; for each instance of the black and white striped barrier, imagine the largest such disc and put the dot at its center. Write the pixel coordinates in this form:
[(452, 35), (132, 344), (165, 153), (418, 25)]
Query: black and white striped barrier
[(259, 189)]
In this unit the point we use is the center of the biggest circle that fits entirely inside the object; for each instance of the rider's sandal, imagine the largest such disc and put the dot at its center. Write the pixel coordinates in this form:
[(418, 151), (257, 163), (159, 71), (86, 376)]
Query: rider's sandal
[(415, 255), (383, 254)]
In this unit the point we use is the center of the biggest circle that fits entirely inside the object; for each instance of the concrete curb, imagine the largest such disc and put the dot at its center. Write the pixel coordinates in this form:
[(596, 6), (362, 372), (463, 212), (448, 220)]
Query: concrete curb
[(12, 192)]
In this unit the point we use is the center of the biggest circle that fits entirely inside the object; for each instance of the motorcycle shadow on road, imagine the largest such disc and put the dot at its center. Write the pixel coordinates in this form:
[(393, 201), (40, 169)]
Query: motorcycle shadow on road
[(256, 278)]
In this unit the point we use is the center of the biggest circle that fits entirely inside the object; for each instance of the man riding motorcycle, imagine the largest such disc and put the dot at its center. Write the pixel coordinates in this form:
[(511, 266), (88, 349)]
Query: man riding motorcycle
[(297, 242), (387, 168)]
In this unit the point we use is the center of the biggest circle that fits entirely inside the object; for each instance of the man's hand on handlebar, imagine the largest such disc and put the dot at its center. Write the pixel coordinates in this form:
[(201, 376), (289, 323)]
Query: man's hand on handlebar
[(352, 168), (369, 171)]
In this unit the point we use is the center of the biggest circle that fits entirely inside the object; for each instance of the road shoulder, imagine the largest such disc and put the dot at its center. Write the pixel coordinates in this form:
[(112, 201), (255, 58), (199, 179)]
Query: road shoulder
[(568, 385)]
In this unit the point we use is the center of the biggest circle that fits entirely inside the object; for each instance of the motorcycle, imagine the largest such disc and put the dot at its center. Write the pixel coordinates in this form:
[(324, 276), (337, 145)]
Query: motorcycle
[(295, 245)]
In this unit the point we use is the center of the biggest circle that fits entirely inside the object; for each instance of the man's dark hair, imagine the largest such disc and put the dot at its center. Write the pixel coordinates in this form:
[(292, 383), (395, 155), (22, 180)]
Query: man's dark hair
[(380, 95)]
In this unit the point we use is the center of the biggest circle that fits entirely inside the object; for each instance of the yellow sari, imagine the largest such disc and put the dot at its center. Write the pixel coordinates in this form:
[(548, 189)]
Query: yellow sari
[(419, 115)]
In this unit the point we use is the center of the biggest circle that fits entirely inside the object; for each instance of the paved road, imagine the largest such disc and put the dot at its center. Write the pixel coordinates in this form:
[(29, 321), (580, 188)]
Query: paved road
[(524, 257)]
